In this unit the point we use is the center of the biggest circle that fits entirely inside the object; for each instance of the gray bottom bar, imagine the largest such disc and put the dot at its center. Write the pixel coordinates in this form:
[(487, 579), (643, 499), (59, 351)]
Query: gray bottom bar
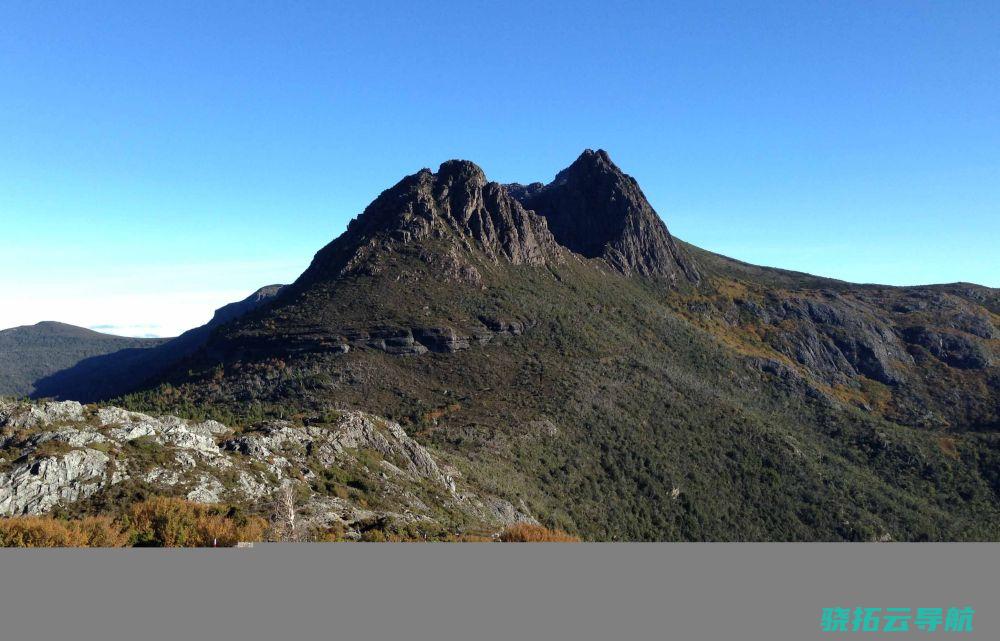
[(614, 592)]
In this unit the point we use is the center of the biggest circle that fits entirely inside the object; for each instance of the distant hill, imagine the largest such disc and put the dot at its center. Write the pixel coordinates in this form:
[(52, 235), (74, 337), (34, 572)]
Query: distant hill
[(65, 362), (31, 353)]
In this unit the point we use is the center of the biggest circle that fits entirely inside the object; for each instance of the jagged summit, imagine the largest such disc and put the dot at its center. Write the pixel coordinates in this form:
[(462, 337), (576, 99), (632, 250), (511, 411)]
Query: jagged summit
[(461, 171), (595, 209), (458, 204), (591, 208)]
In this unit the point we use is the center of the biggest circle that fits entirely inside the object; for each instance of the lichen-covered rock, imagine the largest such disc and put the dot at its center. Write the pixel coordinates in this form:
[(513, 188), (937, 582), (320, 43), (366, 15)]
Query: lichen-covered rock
[(38, 485), (207, 490), (954, 349), (354, 431), (40, 415), (66, 454)]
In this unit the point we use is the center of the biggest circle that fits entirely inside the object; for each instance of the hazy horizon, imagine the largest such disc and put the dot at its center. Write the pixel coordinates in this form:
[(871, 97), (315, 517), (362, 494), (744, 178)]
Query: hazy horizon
[(160, 163)]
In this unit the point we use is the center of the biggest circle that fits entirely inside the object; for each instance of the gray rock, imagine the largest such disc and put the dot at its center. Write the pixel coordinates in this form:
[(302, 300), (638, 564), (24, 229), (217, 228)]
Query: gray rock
[(837, 339), (975, 325), (41, 415), (441, 339), (189, 458), (208, 490), (953, 349), (38, 485)]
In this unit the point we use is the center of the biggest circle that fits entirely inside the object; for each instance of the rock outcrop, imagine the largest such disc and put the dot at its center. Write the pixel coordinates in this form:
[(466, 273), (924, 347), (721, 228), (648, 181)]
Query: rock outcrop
[(951, 347), (835, 338), (413, 341), (59, 453)]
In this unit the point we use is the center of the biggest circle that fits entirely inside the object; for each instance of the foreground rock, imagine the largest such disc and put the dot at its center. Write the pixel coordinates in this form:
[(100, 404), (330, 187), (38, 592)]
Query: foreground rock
[(352, 472)]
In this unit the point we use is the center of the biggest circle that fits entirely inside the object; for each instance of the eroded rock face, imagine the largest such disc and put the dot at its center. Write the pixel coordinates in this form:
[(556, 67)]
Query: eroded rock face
[(914, 340), (354, 431), (951, 348), (407, 341), (60, 453), (598, 211), (36, 486), (834, 338), (456, 203)]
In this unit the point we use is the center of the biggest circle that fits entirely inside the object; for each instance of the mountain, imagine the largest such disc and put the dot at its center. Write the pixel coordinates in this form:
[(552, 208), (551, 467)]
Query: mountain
[(557, 348), (55, 360), (31, 353)]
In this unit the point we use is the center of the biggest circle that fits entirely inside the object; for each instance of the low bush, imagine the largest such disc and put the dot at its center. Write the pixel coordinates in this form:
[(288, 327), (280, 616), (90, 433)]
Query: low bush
[(47, 532), (528, 533), (174, 522), (158, 522)]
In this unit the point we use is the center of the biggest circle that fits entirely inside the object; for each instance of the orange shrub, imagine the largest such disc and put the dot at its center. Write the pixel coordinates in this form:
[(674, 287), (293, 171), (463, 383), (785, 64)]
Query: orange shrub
[(174, 522), (43, 531), (529, 533), (37, 532), (102, 532)]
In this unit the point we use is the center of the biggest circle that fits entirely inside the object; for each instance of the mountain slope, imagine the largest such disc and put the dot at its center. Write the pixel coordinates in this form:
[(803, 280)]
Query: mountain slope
[(55, 360), (921, 356), (31, 353), (622, 384)]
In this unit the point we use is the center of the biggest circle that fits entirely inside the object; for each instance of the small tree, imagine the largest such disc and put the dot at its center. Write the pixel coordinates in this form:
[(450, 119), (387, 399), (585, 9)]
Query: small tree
[(284, 525)]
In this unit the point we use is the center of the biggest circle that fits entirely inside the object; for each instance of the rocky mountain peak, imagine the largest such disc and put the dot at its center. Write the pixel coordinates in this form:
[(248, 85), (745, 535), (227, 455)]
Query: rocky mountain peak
[(456, 204), (590, 164), (595, 209), (461, 171)]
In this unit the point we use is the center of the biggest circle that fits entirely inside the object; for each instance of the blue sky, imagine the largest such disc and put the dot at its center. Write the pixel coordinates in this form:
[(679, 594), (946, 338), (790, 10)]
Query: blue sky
[(158, 161)]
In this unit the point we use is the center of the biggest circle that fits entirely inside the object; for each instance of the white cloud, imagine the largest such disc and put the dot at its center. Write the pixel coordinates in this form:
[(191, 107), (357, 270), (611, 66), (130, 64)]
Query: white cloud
[(134, 300), (160, 314)]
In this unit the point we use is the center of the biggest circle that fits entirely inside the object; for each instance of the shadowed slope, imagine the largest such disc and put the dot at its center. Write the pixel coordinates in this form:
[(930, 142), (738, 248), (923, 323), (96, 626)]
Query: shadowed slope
[(31, 353)]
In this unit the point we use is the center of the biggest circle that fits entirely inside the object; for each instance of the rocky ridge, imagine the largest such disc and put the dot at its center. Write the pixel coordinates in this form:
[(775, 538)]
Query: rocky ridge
[(933, 353), (353, 472), (457, 204)]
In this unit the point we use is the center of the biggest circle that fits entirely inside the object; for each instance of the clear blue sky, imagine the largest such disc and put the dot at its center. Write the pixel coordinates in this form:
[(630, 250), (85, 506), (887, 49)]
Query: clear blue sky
[(158, 161)]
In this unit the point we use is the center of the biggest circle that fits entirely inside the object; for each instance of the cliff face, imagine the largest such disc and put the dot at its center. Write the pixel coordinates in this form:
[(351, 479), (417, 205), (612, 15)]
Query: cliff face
[(598, 211), (457, 205)]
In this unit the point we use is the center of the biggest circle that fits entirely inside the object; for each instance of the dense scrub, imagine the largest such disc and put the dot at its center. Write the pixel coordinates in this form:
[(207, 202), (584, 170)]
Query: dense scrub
[(528, 533), (158, 522)]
